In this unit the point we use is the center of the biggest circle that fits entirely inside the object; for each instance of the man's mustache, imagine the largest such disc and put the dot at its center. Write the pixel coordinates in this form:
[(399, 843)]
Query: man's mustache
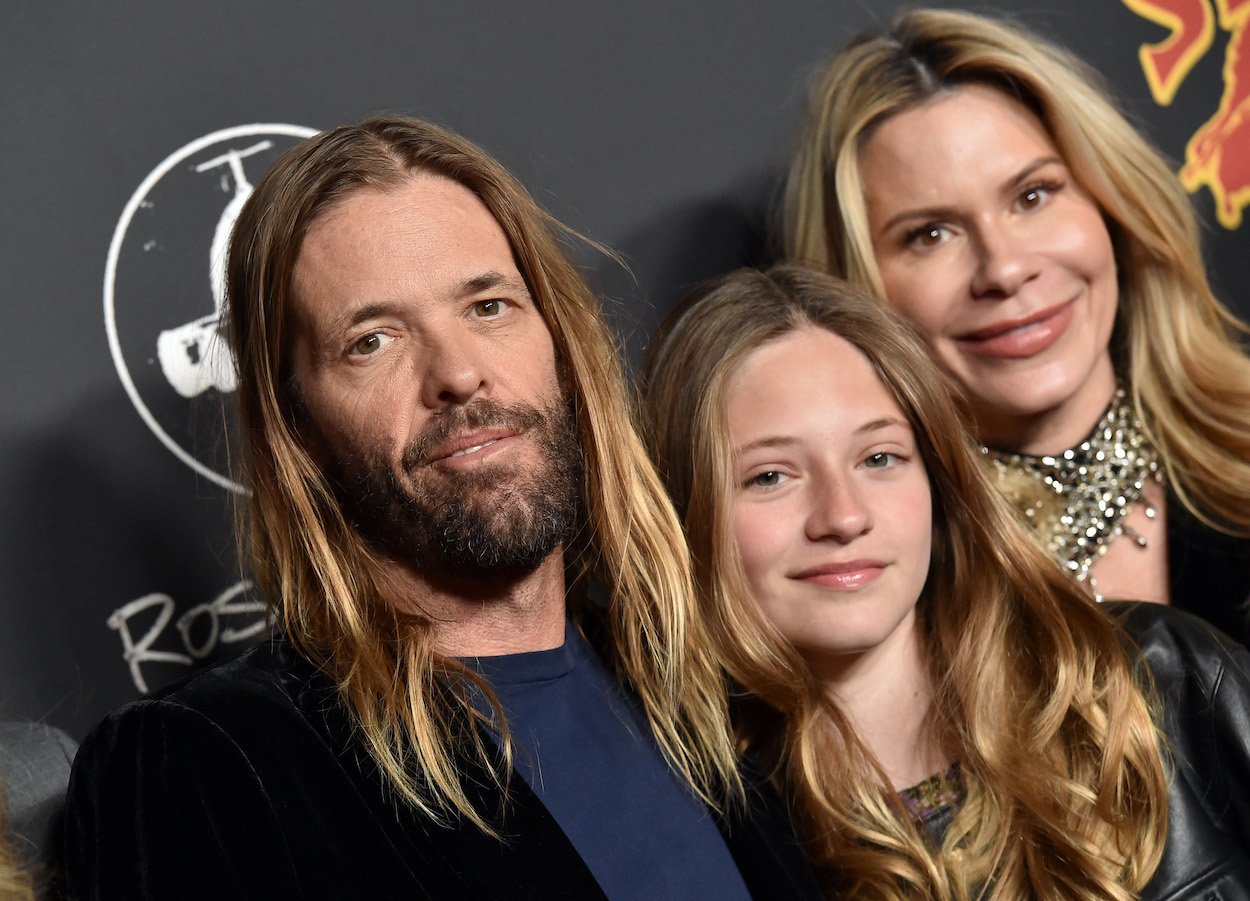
[(479, 414)]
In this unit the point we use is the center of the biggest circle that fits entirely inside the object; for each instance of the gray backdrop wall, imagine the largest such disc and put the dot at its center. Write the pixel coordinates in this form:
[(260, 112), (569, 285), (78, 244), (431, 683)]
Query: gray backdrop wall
[(131, 130)]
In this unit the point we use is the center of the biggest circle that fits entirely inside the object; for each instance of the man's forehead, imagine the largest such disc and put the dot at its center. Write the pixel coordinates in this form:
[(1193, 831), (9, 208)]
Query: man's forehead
[(427, 232), (417, 202)]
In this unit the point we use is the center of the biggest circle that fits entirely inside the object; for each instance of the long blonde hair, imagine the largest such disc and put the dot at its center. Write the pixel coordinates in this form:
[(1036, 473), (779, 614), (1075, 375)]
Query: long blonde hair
[(1033, 685), (1175, 345), (321, 578)]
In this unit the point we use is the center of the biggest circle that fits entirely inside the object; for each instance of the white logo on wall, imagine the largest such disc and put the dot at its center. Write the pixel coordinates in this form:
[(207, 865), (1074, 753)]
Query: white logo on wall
[(157, 611), (164, 286), (164, 290)]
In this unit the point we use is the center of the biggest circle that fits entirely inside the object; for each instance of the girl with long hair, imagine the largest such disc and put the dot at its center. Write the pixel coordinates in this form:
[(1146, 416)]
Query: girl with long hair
[(949, 715), (982, 182)]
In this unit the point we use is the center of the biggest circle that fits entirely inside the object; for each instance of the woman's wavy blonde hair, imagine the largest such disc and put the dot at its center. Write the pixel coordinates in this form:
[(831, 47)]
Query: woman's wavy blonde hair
[(321, 578), (1033, 684), (1175, 345)]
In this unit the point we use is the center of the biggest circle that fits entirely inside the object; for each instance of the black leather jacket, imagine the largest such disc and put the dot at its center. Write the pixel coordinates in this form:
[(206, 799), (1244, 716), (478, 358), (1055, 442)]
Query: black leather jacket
[(1209, 572), (1203, 681)]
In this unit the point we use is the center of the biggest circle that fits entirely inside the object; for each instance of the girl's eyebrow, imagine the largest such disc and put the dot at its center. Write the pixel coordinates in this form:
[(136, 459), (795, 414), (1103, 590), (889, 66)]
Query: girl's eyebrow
[(767, 441), (874, 425)]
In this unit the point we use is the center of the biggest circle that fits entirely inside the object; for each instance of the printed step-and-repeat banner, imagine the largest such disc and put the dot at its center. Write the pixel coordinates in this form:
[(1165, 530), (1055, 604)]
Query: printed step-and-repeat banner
[(134, 133)]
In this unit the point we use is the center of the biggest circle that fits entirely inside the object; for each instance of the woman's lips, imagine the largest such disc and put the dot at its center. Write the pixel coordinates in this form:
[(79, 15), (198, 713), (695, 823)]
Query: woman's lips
[(1021, 338), (850, 576)]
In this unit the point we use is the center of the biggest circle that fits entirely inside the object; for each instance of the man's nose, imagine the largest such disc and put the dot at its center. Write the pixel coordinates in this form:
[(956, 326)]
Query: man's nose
[(453, 370)]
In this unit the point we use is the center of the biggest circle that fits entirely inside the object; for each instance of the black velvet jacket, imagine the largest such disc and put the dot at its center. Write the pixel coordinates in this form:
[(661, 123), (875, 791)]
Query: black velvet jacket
[(246, 781), (1203, 682)]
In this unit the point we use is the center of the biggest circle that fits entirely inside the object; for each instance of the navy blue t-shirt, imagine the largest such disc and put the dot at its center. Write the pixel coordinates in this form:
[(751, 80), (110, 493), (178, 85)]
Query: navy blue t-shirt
[(584, 746)]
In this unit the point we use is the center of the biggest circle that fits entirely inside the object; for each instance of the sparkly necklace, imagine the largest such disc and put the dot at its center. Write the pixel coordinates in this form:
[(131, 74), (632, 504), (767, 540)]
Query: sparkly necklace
[(1075, 502)]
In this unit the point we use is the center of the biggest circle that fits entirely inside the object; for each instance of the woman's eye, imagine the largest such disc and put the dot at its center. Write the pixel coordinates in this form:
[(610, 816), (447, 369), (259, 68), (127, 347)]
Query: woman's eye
[(927, 235), (488, 309), (1036, 195), (369, 344)]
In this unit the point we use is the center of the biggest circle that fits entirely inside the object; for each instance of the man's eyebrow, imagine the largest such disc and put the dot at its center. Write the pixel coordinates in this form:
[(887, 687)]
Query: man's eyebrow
[(361, 314), (476, 285), (490, 280)]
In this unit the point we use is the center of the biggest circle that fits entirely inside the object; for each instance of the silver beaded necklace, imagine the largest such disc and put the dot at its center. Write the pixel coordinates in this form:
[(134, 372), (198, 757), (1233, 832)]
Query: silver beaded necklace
[(1075, 502)]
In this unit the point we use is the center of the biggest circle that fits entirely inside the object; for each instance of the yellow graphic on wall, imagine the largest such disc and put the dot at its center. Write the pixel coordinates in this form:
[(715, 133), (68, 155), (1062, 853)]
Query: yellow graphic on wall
[(1218, 154)]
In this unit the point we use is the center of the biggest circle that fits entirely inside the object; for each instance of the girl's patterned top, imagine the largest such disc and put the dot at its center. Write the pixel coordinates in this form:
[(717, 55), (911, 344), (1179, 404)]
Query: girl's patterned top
[(934, 801)]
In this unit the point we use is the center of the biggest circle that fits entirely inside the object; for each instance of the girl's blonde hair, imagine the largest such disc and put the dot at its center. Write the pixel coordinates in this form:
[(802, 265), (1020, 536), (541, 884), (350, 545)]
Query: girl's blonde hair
[(413, 705), (1033, 685), (1175, 345)]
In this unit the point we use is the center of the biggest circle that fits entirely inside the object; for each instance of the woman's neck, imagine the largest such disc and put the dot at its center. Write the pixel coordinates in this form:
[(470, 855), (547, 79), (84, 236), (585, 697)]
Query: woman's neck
[(1055, 429), (887, 695)]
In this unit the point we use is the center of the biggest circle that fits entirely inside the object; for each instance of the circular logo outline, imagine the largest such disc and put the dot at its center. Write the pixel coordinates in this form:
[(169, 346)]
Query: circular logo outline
[(110, 278)]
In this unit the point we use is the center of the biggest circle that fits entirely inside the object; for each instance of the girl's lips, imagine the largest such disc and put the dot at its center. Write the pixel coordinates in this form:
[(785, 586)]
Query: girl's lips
[(1019, 339), (843, 576)]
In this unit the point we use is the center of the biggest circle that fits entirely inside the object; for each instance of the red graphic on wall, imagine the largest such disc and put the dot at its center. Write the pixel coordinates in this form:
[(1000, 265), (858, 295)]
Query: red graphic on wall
[(1191, 24), (1218, 154)]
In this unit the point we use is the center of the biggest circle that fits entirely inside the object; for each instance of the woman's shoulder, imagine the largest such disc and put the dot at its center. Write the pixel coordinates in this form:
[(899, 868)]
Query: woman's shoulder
[(1168, 636), (1201, 678)]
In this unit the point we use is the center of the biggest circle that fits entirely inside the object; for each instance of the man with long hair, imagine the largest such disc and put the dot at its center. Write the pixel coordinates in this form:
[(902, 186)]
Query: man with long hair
[(437, 439)]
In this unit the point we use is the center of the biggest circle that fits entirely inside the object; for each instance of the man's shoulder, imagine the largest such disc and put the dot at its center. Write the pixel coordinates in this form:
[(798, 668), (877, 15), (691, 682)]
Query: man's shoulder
[(271, 666), (258, 692)]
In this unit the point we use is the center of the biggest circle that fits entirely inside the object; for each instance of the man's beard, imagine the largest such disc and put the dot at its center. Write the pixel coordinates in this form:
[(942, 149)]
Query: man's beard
[(496, 519)]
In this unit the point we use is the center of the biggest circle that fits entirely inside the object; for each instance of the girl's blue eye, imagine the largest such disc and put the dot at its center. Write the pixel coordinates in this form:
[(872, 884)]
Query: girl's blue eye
[(770, 479), (880, 460)]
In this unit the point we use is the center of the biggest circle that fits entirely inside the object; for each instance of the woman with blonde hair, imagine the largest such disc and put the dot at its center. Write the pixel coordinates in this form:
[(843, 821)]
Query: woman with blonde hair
[(981, 180), (948, 714)]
